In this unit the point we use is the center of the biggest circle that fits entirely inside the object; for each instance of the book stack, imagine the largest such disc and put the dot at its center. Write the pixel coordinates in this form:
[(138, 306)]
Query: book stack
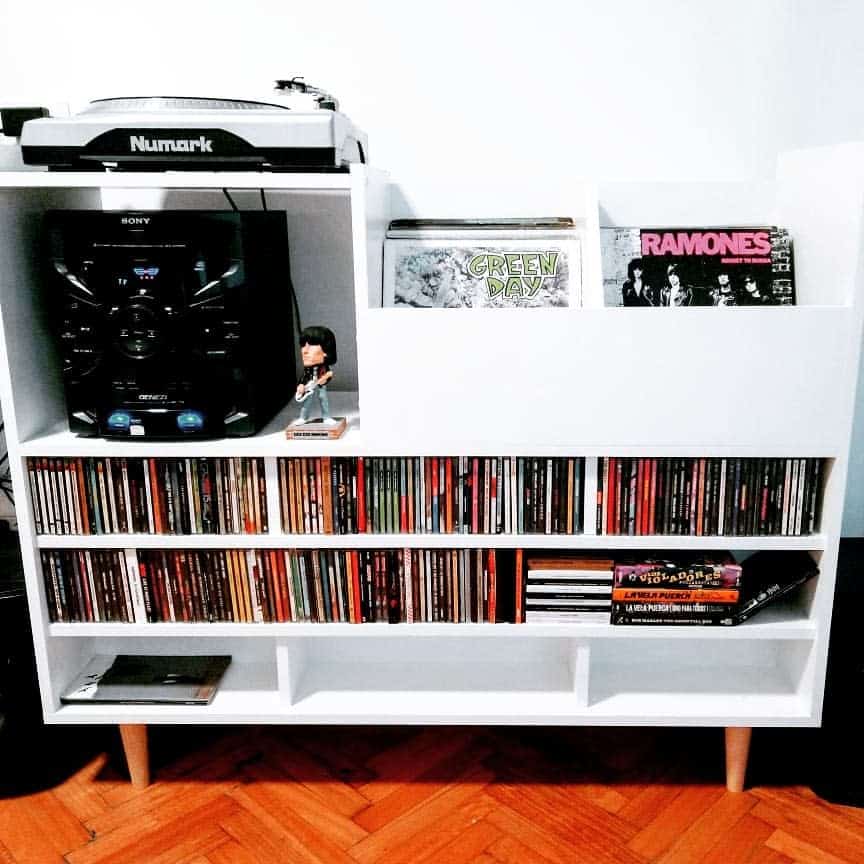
[(567, 589), (699, 591)]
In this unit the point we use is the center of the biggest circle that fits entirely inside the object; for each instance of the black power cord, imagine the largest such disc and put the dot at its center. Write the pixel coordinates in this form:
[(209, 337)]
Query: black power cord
[(295, 305)]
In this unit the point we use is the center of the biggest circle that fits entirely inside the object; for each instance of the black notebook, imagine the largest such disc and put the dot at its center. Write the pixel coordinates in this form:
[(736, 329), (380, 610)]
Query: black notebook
[(136, 679)]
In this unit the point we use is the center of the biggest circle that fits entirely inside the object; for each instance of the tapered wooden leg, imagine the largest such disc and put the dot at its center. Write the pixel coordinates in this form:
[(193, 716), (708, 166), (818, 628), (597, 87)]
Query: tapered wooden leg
[(737, 749), (137, 758)]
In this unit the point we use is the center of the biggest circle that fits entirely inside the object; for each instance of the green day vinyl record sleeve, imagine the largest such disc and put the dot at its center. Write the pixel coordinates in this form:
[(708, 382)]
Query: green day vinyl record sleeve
[(484, 269)]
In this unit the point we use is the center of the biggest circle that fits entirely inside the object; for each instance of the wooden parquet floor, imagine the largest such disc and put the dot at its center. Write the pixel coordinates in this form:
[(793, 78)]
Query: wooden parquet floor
[(443, 795)]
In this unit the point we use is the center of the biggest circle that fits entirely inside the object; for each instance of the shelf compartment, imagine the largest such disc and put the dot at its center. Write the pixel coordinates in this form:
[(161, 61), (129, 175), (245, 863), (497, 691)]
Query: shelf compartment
[(762, 497), (667, 681), (249, 691), (411, 681), (165, 496), (270, 441), (496, 377), (516, 680)]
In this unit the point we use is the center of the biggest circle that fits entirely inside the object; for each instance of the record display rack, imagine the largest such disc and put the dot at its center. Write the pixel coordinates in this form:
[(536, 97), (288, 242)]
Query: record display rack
[(587, 383)]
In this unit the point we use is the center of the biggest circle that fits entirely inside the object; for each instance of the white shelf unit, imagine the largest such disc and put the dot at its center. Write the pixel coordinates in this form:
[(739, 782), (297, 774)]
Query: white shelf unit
[(587, 382)]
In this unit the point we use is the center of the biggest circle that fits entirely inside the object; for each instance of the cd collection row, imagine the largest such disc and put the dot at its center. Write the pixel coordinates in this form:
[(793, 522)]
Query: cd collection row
[(431, 495), (703, 496), (156, 496), (425, 495), (270, 585)]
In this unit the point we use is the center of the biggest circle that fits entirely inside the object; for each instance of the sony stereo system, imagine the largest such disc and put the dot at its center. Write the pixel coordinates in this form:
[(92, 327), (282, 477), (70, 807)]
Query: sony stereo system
[(171, 324)]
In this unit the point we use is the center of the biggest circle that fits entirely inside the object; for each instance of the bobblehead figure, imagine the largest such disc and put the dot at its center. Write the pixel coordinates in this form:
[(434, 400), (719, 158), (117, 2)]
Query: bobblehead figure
[(318, 352)]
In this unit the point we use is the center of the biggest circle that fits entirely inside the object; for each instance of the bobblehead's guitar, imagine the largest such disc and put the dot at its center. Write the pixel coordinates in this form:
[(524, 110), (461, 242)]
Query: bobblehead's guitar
[(309, 389)]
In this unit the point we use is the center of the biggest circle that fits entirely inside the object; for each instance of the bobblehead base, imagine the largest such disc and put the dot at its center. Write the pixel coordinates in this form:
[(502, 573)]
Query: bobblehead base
[(317, 428)]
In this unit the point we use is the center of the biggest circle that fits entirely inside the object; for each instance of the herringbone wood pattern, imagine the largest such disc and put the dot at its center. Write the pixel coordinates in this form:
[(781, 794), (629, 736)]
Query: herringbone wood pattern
[(443, 795)]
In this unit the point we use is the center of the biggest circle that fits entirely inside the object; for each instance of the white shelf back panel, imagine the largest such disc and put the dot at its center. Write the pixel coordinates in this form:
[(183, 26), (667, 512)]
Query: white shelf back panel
[(775, 378)]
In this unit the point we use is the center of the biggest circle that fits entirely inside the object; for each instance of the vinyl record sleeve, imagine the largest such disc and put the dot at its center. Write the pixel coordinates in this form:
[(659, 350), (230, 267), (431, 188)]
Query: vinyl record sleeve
[(711, 266), (518, 268), (131, 679)]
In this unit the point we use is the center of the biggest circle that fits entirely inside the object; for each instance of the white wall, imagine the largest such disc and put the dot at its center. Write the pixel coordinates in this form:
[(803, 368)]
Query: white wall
[(672, 89), (825, 64), (629, 88)]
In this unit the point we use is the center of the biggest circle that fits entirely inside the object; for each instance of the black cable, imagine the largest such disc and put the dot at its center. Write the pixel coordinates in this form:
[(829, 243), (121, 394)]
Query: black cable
[(230, 200), (362, 154), (296, 308), (263, 200)]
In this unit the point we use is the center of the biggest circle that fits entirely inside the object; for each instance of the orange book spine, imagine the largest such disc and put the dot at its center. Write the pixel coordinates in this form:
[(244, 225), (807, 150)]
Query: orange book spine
[(244, 586), (355, 584), (276, 584), (676, 595), (326, 479), (493, 589)]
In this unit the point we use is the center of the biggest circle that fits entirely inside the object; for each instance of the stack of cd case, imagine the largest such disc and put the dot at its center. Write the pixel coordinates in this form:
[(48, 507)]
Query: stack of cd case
[(568, 589), (483, 263)]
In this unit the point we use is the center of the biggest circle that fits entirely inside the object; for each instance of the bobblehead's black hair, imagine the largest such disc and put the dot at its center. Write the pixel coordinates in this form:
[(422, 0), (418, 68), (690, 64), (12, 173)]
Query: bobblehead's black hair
[(322, 336)]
